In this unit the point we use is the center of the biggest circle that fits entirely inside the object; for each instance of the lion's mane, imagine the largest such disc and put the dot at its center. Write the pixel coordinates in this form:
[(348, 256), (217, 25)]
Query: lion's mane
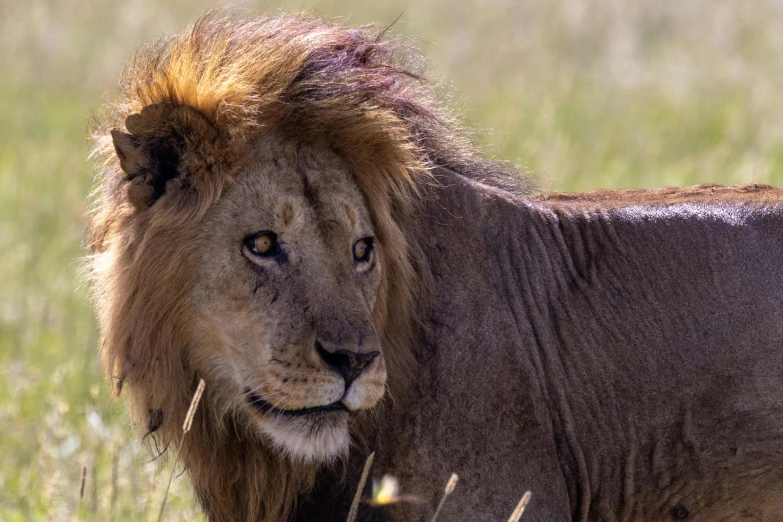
[(307, 79)]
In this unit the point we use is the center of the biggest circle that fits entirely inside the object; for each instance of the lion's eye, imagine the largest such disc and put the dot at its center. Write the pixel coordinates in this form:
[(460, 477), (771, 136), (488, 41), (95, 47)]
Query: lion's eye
[(263, 244), (362, 250)]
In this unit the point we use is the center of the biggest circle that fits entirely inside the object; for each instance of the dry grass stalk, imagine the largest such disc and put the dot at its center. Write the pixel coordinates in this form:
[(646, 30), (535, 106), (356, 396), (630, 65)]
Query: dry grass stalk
[(185, 428), (193, 406), (362, 481), (81, 484), (517, 514), (450, 485), (81, 490)]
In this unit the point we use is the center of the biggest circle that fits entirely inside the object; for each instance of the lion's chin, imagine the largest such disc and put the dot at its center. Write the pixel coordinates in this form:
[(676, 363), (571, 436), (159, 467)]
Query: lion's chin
[(317, 438)]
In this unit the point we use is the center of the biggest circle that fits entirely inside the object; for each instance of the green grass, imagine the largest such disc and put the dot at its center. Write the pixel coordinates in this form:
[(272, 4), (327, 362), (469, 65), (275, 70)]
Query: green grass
[(604, 96)]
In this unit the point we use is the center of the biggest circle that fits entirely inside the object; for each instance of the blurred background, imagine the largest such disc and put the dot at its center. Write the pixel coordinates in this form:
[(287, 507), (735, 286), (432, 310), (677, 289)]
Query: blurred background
[(585, 94)]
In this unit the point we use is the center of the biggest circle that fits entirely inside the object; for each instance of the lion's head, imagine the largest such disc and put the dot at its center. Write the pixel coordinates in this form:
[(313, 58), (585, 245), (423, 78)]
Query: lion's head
[(289, 271), (248, 229)]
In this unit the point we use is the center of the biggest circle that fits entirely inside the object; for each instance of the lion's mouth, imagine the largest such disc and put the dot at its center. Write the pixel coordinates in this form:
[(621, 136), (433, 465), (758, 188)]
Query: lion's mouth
[(264, 407)]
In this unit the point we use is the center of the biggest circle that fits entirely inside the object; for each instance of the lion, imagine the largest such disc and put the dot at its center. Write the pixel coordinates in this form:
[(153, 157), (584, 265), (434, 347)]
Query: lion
[(285, 210)]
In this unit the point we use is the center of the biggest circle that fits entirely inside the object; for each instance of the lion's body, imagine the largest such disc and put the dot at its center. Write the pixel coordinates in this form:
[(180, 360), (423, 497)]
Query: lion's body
[(621, 358), (619, 354)]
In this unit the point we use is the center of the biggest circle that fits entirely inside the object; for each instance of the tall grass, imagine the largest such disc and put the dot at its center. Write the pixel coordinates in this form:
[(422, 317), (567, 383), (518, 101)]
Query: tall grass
[(593, 94)]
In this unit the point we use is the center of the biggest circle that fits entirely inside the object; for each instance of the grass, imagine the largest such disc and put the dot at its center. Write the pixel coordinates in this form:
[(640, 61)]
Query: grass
[(587, 95)]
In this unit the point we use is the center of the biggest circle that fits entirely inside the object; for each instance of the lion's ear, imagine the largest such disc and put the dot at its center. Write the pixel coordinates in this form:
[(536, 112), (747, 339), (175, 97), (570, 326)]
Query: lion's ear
[(162, 151)]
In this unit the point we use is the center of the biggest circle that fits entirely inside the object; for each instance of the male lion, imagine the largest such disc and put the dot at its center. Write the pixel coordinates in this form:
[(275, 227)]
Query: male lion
[(286, 212)]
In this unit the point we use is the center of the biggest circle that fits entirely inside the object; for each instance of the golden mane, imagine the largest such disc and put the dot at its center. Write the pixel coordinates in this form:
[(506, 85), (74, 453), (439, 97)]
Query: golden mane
[(307, 79)]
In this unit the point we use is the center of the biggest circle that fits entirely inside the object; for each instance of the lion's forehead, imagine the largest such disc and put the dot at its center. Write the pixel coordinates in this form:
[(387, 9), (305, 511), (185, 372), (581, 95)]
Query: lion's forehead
[(294, 183)]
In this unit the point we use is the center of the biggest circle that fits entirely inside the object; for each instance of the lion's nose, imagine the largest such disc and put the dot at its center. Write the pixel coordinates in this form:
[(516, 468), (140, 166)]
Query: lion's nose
[(347, 363)]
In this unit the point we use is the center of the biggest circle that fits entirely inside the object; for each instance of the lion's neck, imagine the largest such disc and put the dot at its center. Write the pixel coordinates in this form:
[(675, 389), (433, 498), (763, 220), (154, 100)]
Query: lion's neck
[(239, 480)]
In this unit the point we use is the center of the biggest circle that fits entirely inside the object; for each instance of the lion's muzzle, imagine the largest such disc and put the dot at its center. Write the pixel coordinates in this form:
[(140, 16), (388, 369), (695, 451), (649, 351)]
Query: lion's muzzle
[(348, 363)]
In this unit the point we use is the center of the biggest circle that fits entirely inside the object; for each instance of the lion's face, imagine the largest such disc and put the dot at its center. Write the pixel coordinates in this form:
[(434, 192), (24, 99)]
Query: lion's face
[(285, 293)]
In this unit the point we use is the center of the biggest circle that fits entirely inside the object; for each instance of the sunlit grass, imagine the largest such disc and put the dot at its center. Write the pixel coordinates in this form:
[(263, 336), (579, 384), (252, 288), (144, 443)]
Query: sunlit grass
[(586, 95)]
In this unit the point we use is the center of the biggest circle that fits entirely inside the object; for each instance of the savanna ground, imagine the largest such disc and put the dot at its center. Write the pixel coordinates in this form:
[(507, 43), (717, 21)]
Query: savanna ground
[(605, 93)]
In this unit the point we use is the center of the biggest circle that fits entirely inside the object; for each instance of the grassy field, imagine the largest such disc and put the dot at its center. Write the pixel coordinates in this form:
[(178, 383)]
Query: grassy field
[(586, 95)]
